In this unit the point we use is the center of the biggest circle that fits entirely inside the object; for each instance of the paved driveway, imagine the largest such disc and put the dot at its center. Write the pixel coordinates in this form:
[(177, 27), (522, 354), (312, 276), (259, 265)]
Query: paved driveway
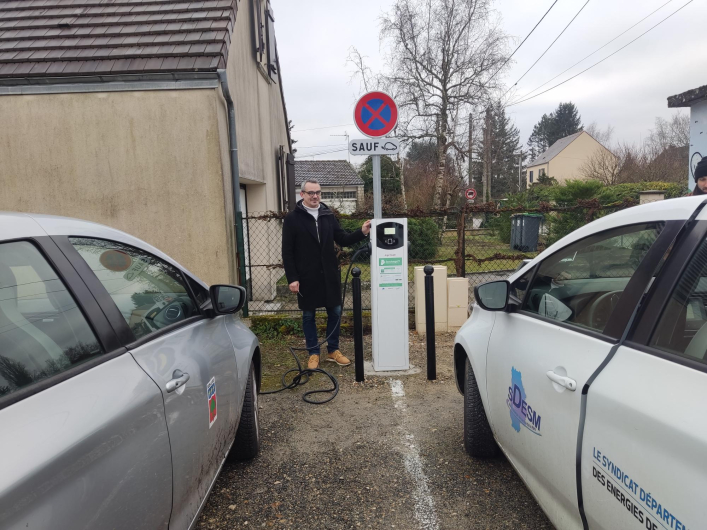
[(385, 454)]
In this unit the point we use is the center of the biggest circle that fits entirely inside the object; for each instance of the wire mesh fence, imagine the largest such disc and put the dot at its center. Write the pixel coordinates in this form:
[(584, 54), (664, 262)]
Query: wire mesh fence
[(481, 243)]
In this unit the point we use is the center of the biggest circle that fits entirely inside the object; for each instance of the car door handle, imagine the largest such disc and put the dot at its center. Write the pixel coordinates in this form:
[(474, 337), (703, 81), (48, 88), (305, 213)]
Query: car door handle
[(561, 380), (179, 379)]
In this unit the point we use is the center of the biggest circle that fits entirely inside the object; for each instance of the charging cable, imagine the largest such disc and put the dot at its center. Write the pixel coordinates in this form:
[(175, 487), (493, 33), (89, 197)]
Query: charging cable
[(301, 375)]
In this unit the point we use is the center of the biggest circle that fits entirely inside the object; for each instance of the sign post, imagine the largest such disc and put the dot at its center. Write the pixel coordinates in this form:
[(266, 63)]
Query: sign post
[(375, 115)]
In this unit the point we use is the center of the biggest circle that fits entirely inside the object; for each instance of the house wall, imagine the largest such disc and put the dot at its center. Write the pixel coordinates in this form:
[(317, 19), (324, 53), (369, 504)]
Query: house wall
[(698, 137), (568, 163), (148, 163), (262, 129)]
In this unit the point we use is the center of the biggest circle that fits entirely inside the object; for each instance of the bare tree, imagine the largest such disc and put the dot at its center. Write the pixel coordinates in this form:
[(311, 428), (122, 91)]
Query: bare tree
[(604, 136), (444, 57), (604, 166)]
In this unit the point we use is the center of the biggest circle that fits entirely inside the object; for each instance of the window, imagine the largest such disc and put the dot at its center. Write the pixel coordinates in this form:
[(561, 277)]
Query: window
[(531, 177), (271, 43), (582, 283), (681, 329), (200, 293), (150, 293), (541, 173), (520, 286), (42, 331), (259, 25), (338, 195)]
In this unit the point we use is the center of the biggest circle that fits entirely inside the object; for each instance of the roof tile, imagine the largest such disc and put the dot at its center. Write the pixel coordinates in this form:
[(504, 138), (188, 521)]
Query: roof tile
[(327, 172), (113, 36)]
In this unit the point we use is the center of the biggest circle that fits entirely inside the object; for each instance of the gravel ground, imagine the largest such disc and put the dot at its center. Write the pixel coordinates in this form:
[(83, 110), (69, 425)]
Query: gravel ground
[(386, 453)]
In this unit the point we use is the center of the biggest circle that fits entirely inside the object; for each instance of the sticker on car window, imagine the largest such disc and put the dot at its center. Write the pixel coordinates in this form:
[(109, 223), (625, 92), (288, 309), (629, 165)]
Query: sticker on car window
[(521, 412), (211, 397)]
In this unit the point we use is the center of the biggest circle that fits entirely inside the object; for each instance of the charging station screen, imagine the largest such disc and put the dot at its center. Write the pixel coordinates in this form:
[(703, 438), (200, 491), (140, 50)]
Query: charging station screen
[(389, 231)]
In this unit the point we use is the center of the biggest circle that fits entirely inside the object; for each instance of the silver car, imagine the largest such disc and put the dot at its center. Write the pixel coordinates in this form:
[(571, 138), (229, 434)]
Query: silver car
[(125, 382)]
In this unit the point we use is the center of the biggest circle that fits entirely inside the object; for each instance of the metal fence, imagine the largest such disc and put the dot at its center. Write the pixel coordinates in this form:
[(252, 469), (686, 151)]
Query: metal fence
[(480, 242)]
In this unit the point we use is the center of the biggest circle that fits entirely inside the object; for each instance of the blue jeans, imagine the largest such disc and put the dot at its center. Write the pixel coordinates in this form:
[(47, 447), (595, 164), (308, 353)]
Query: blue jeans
[(309, 326)]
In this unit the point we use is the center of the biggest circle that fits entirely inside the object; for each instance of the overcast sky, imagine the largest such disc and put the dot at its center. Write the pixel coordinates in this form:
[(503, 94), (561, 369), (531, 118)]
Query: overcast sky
[(627, 91)]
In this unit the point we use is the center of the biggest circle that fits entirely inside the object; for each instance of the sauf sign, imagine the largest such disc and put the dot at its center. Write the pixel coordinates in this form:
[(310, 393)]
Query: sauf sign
[(384, 146)]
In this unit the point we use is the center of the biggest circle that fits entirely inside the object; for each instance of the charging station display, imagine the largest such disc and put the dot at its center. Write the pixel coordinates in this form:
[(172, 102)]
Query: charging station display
[(389, 294)]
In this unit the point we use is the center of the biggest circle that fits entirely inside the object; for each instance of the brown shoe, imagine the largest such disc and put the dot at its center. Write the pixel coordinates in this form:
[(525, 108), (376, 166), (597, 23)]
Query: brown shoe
[(338, 358), (313, 363)]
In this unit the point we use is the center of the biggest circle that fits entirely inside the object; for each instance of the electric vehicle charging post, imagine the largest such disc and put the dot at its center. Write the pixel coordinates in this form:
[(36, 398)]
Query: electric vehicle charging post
[(376, 115)]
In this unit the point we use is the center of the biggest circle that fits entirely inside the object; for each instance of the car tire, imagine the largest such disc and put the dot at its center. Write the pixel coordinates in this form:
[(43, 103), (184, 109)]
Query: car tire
[(478, 437), (247, 442)]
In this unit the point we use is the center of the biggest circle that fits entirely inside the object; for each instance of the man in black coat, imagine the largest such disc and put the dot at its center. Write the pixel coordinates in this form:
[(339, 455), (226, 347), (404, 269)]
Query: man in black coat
[(308, 236)]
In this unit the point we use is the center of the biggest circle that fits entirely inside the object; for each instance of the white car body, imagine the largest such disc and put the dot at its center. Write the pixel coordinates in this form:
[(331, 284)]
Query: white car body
[(628, 447)]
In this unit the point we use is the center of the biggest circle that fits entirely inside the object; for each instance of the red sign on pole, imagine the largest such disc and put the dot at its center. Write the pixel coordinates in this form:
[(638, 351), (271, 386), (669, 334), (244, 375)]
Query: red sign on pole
[(376, 114), (470, 194)]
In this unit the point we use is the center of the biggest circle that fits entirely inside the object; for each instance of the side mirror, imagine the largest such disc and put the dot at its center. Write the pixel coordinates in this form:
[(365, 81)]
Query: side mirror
[(227, 299), (493, 296)]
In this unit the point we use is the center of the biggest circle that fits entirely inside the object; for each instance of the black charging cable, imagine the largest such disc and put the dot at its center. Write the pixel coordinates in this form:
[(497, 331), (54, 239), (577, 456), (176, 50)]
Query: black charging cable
[(301, 375)]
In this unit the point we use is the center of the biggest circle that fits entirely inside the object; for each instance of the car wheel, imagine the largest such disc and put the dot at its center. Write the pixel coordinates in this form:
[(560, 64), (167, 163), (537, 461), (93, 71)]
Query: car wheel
[(478, 438), (247, 442)]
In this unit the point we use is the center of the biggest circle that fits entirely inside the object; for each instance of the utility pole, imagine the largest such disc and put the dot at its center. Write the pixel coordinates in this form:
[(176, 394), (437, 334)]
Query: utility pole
[(487, 156), (345, 135), (520, 167)]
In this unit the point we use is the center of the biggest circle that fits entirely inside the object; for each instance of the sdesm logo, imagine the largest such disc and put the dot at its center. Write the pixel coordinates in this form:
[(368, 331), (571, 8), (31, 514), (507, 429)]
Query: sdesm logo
[(521, 412)]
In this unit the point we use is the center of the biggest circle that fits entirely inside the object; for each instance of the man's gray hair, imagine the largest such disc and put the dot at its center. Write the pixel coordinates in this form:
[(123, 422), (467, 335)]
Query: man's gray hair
[(310, 180)]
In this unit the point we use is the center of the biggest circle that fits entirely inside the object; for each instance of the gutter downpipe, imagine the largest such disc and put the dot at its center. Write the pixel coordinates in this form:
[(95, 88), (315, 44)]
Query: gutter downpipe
[(235, 181)]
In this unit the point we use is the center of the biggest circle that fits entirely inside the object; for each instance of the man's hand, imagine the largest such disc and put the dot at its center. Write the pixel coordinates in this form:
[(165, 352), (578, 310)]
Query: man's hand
[(366, 228), (294, 287)]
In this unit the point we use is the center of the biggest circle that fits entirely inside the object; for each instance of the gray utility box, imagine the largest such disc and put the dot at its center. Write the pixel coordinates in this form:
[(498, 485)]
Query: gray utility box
[(525, 230)]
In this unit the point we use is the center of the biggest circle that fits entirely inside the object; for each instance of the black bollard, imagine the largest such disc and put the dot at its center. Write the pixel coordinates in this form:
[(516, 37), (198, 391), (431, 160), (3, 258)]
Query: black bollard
[(358, 323), (430, 323)]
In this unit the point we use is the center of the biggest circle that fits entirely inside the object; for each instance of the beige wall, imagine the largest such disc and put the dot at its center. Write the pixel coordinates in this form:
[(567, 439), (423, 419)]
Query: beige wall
[(568, 163), (153, 163), (147, 163)]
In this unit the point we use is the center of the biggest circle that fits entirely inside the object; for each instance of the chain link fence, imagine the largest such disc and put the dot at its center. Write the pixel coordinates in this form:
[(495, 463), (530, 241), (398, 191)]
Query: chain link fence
[(480, 242)]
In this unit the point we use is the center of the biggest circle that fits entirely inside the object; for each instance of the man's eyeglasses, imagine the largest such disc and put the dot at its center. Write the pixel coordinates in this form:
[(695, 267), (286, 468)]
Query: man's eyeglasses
[(318, 193)]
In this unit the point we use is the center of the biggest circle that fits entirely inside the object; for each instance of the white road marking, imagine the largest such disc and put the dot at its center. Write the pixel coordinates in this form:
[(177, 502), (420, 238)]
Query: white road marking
[(424, 503)]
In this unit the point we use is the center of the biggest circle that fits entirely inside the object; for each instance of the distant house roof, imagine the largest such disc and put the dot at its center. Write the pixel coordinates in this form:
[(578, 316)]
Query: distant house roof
[(554, 149), (688, 98), (327, 172), (55, 38)]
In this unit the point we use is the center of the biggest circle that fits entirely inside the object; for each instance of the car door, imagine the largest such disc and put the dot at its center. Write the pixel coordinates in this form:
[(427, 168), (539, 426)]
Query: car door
[(572, 313), (189, 356), (84, 439), (645, 438)]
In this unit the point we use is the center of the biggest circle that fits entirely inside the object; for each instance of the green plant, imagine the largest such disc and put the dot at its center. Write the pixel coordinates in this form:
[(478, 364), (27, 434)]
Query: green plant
[(423, 234), (275, 326)]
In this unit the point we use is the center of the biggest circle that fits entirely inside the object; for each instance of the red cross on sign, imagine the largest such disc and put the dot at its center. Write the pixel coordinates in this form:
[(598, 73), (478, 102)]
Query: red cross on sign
[(376, 114)]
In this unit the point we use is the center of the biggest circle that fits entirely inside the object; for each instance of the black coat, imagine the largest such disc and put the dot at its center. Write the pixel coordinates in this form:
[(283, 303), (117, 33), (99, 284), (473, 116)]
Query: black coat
[(311, 261)]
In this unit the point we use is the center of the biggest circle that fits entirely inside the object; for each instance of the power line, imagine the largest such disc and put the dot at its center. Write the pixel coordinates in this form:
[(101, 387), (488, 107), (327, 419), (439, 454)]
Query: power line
[(525, 39), (599, 49), (312, 146), (548, 48), (320, 128), (324, 153), (604, 59)]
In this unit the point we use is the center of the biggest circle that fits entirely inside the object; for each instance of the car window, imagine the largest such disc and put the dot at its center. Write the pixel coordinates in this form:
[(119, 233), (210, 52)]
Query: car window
[(42, 330), (149, 292), (682, 328), (200, 293), (520, 286), (583, 283)]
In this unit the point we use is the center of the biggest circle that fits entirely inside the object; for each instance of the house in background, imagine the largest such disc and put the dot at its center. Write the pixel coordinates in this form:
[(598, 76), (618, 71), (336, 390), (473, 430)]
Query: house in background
[(696, 100), (342, 188), (119, 113), (564, 159)]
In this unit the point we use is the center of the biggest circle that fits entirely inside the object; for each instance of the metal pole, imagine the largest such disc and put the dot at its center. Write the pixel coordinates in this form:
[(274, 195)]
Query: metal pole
[(377, 197), (430, 323), (358, 323), (520, 167)]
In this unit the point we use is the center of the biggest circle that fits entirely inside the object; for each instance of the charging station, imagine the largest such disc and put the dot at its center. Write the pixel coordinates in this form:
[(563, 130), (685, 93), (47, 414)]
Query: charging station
[(389, 294)]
